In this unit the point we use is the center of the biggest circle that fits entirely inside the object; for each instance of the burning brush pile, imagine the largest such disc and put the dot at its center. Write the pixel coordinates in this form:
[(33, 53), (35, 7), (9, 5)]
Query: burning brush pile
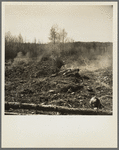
[(48, 87)]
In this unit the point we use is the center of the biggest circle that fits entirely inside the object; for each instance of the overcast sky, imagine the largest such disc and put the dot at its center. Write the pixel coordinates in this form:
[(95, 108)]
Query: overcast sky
[(81, 22)]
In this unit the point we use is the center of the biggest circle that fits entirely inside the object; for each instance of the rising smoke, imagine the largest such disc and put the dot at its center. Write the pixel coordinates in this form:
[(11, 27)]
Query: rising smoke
[(85, 61)]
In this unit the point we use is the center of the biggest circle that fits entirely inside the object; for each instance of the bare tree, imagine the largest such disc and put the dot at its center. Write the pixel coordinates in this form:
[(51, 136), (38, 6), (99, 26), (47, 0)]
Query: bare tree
[(8, 37), (20, 38), (53, 33), (34, 41), (63, 35)]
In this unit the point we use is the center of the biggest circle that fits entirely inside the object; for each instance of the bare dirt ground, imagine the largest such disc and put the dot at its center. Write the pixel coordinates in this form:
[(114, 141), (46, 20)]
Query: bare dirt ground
[(33, 82)]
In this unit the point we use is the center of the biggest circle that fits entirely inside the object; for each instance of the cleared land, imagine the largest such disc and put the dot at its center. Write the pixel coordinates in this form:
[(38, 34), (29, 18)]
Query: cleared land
[(39, 83)]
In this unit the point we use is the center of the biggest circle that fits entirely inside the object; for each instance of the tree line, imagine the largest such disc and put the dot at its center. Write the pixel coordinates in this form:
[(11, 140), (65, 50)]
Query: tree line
[(59, 43)]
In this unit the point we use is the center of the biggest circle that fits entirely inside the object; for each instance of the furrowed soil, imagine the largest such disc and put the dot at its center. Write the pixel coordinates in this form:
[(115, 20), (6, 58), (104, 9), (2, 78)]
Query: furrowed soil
[(33, 82)]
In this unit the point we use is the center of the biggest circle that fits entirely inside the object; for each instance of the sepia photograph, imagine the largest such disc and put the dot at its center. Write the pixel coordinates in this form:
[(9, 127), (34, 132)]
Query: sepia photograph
[(59, 60)]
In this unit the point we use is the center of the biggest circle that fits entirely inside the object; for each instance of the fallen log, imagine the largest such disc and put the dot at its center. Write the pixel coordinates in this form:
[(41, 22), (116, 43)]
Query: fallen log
[(59, 73), (63, 71), (71, 71), (62, 110), (66, 72), (11, 113)]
